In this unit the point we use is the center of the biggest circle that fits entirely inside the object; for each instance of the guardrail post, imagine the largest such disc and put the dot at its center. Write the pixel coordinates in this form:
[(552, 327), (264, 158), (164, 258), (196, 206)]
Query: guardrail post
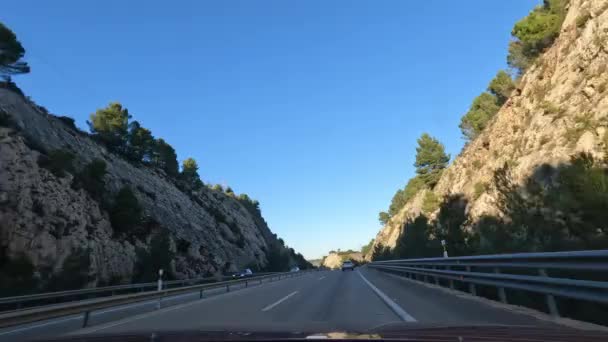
[(201, 296), (426, 278), (227, 287), (85, 319), (436, 279), (548, 297), (246, 284), (472, 288), (501, 290), (451, 281)]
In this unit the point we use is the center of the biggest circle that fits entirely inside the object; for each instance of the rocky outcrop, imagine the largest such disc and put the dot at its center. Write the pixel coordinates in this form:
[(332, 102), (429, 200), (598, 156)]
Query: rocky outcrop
[(46, 219), (334, 260), (560, 107)]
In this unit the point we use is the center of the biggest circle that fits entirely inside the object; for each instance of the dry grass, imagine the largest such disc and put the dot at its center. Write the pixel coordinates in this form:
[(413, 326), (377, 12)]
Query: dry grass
[(479, 188), (544, 139), (582, 19), (582, 123), (602, 9)]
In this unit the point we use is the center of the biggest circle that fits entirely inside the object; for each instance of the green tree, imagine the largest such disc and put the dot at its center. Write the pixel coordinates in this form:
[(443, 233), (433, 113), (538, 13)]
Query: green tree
[(91, 178), (159, 256), (277, 259), (11, 52), (16, 275), (58, 162), (126, 212), (431, 160), (74, 272), (582, 191), (140, 143), (518, 57), (501, 86), (367, 248), (430, 202), (536, 32), (164, 157), (484, 107), (450, 224), (414, 239), (381, 252), (111, 125), (190, 173), (401, 197), (383, 217)]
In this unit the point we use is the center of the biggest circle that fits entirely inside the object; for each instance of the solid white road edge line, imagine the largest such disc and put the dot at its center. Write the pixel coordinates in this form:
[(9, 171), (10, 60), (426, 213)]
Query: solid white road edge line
[(162, 311), (94, 313), (279, 301), (391, 304), (79, 316)]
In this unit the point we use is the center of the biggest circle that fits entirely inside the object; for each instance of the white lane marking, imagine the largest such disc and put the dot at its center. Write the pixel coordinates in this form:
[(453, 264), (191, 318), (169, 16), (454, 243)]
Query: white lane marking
[(323, 277), (279, 301), (106, 311), (150, 302), (131, 319), (391, 304), (171, 308), (40, 325)]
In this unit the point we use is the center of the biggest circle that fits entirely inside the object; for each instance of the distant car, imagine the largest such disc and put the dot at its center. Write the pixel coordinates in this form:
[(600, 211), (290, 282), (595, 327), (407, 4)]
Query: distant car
[(244, 273), (348, 265), (295, 269)]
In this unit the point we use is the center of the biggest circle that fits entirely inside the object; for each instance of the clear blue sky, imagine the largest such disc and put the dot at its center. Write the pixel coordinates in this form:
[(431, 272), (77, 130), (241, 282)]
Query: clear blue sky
[(311, 107)]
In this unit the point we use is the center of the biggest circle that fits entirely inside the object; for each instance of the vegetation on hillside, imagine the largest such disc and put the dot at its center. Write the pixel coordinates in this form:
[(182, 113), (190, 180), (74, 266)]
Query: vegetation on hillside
[(486, 105), (11, 53), (535, 33), (113, 127), (431, 160), (557, 208), (531, 36), (367, 248)]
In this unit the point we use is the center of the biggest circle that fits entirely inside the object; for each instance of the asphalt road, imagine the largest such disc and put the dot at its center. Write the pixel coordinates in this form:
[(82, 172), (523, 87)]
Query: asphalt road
[(318, 301)]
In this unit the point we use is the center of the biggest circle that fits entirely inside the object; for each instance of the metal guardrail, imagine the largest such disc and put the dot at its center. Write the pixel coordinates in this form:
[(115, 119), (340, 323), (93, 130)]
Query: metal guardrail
[(24, 316), (500, 271), (17, 302)]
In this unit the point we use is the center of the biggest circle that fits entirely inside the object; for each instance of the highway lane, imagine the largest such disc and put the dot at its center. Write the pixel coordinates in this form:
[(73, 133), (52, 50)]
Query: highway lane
[(323, 301), (67, 324), (317, 301)]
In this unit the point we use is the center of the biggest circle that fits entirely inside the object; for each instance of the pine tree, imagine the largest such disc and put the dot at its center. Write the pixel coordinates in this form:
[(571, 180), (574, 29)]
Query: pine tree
[(11, 52), (431, 159), (111, 125)]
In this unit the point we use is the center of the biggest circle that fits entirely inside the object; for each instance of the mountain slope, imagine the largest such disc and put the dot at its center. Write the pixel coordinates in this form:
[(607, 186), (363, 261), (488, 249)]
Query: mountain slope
[(558, 109), (52, 224)]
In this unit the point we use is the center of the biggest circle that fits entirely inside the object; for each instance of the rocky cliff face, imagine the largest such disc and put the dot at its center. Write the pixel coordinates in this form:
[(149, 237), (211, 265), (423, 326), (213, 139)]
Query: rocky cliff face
[(560, 107), (47, 220), (334, 260)]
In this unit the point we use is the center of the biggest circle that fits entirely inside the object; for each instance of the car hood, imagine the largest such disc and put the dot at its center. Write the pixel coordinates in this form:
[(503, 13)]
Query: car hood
[(397, 332)]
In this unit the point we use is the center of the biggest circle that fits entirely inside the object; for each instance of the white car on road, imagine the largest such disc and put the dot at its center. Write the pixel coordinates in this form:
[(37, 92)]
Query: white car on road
[(348, 265)]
